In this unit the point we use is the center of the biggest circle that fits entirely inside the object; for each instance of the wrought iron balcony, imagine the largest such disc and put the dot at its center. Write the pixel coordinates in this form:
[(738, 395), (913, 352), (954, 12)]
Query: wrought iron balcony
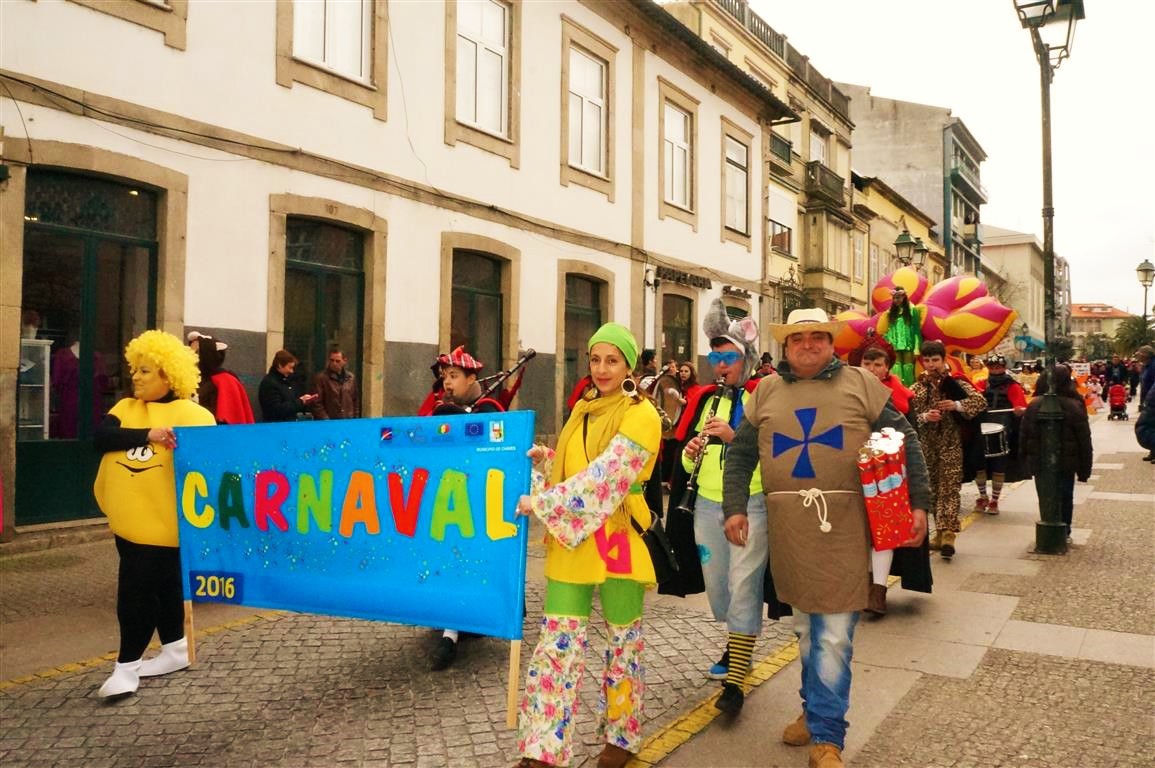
[(823, 183)]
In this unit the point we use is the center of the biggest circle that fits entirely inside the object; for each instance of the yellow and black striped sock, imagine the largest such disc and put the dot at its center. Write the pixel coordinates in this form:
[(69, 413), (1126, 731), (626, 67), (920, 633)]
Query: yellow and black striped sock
[(741, 648)]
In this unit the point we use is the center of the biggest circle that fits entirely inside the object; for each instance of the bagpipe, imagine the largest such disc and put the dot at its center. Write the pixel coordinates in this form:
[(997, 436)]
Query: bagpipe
[(493, 398)]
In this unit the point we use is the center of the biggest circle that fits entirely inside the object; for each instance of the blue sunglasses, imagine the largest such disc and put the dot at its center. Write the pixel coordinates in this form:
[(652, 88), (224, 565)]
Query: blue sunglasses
[(729, 357)]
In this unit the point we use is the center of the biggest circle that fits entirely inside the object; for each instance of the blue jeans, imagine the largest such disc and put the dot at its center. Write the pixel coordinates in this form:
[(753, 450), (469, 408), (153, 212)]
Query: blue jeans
[(826, 645), (733, 575)]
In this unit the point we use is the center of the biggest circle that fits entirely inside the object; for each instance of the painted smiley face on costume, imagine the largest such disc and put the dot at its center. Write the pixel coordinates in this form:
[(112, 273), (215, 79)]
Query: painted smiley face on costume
[(141, 459)]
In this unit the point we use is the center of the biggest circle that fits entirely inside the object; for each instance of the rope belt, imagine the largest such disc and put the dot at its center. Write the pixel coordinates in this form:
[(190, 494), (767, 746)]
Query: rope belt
[(813, 497)]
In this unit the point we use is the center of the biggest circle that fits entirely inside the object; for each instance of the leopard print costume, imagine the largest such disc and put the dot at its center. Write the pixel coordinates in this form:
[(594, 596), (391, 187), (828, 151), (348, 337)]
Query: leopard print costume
[(942, 441)]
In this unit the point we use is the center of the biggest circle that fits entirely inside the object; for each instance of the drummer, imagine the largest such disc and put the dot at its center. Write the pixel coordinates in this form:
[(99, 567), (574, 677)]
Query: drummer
[(999, 435)]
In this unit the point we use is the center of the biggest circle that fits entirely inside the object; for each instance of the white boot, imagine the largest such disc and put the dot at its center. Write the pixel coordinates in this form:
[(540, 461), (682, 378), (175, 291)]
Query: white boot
[(172, 656), (124, 680)]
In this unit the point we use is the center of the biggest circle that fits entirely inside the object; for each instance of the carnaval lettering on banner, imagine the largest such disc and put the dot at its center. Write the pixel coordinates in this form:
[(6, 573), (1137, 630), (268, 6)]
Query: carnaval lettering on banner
[(407, 519)]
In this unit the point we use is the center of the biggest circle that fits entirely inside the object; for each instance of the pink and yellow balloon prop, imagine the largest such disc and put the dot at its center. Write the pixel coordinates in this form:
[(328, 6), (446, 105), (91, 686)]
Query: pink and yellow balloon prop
[(959, 312), (963, 316)]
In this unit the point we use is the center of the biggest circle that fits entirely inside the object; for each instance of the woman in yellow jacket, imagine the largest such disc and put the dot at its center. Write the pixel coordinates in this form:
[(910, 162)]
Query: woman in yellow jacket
[(135, 488), (586, 495)]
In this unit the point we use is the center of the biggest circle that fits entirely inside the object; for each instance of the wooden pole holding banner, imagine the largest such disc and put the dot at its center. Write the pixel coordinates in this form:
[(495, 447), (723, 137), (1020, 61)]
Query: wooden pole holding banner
[(188, 632), (511, 688)]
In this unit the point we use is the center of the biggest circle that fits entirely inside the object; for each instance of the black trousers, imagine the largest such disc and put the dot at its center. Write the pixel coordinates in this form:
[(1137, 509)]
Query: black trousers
[(149, 597)]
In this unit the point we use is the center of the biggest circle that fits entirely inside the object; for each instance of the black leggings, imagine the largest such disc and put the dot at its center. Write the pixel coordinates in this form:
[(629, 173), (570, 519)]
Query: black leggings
[(148, 597)]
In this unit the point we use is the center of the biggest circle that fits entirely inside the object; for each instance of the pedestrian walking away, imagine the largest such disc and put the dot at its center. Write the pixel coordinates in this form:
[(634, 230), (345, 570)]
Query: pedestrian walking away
[(805, 427), (589, 496), (1076, 451)]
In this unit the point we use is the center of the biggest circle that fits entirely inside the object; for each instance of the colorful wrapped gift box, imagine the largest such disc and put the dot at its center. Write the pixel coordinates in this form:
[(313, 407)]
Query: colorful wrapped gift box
[(882, 470)]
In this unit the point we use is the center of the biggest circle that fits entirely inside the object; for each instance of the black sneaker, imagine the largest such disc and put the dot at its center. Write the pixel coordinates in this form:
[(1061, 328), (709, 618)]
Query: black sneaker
[(444, 654), (731, 699)]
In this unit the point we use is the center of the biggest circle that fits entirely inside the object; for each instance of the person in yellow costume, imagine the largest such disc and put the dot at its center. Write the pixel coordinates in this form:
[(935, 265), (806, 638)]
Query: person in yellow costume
[(135, 489), (589, 496)]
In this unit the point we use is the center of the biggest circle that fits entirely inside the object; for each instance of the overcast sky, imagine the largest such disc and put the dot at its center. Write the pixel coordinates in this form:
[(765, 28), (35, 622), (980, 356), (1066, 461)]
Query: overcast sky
[(972, 57)]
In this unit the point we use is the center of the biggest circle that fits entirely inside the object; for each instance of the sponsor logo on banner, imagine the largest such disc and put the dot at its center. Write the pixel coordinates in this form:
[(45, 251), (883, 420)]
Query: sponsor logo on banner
[(496, 432), (474, 429)]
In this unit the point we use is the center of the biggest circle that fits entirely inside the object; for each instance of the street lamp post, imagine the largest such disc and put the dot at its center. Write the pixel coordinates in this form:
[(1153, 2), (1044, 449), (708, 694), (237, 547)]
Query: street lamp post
[(1045, 19), (1146, 274)]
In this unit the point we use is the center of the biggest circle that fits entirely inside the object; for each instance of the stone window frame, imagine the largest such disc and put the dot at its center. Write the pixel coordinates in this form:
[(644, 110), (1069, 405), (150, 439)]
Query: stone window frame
[(172, 233), (574, 35), (290, 69), (169, 18), (737, 133), (509, 146), (376, 233), (672, 94), (696, 298), (607, 277), (510, 287)]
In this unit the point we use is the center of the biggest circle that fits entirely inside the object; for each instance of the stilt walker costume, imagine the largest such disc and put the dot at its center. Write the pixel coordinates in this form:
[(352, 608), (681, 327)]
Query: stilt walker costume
[(904, 332), (588, 496)]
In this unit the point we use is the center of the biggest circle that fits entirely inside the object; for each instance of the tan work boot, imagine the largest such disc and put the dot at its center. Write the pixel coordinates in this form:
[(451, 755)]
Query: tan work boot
[(876, 602), (948, 545), (797, 734), (825, 756), (936, 541)]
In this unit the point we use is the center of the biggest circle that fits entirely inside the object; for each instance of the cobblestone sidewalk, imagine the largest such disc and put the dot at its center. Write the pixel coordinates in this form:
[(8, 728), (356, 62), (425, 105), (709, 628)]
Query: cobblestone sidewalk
[(302, 690)]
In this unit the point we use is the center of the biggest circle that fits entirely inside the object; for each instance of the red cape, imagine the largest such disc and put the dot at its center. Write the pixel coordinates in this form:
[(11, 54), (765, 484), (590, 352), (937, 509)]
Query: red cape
[(233, 405)]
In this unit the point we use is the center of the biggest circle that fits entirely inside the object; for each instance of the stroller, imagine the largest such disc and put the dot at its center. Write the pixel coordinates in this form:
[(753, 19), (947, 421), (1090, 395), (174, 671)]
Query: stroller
[(1117, 398)]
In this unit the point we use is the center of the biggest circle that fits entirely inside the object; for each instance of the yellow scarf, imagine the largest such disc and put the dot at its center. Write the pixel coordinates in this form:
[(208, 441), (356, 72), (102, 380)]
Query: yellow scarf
[(601, 417)]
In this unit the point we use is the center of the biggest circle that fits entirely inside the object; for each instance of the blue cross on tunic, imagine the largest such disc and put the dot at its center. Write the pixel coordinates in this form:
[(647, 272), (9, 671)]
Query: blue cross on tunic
[(782, 443)]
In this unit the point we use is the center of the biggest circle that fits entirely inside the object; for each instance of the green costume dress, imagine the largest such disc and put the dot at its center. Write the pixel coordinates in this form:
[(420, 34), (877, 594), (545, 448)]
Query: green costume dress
[(906, 338)]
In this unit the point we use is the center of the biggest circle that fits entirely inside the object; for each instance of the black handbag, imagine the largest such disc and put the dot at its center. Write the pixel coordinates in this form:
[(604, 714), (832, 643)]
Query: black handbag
[(661, 553)]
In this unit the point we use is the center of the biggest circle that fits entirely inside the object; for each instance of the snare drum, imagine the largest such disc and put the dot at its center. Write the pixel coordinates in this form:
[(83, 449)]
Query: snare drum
[(994, 440)]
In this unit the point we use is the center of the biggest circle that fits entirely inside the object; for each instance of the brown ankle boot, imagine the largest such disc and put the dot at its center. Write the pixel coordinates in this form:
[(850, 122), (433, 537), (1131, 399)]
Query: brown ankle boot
[(825, 756), (614, 756), (936, 541), (948, 539), (876, 602), (797, 734)]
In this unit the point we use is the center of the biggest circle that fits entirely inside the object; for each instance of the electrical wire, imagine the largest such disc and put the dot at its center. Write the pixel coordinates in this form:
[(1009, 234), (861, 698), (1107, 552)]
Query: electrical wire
[(16, 103)]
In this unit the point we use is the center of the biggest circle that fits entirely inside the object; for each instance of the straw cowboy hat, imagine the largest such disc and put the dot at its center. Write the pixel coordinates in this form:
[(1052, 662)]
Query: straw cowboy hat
[(813, 320)]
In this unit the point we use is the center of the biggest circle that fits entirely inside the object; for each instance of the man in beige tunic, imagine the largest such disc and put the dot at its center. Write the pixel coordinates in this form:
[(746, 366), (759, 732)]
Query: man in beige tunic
[(806, 426)]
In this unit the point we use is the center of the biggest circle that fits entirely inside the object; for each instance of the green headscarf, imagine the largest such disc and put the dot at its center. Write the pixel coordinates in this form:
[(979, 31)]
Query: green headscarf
[(620, 336)]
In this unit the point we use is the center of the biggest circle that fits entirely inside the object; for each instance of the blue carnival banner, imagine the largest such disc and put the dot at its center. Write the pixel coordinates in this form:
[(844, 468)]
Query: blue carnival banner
[(404, 519)]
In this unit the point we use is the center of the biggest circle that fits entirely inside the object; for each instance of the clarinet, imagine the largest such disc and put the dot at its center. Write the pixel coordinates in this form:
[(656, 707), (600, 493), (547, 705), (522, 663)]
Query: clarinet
[(690, 495)]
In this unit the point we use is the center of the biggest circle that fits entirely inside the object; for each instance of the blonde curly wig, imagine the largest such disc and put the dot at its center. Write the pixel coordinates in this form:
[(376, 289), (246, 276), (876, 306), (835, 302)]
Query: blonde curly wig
[(170, 355)]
